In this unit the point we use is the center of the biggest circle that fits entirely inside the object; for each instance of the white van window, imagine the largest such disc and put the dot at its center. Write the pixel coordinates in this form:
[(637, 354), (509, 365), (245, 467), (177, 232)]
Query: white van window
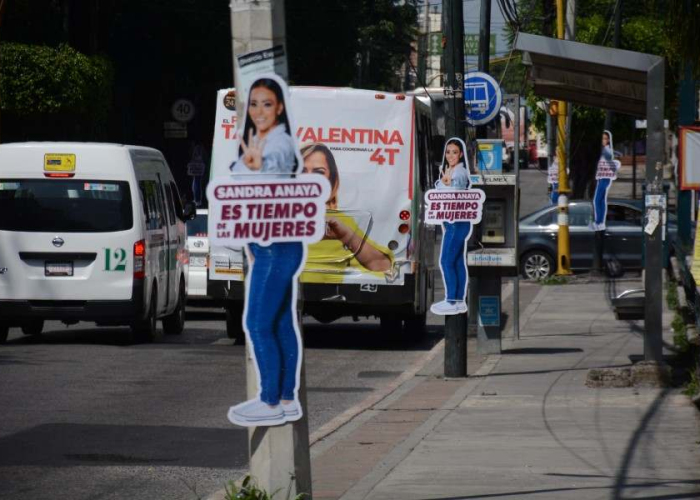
[(65, 205), (179, 211), (151, 207)]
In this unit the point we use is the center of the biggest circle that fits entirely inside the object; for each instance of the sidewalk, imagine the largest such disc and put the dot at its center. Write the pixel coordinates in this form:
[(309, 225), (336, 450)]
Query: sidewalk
[(524, 424)]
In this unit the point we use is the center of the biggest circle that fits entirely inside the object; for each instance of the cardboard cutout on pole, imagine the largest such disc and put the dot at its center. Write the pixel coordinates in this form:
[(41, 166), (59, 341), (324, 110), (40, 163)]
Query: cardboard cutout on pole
[(275, 211), (457, 207), (606, 173), (553, 180)]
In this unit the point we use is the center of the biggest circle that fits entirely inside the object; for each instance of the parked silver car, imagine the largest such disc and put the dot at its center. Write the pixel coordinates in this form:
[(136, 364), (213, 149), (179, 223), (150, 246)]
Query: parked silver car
[(624, 239)]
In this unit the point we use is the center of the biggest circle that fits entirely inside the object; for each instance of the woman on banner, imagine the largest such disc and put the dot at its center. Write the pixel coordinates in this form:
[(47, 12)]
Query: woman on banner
[(344, 241), (269, 317), (454, 174), (606, 172)]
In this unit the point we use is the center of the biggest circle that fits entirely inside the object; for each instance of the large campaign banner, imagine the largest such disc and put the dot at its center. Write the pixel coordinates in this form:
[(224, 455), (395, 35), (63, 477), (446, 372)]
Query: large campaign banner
[(362, 142)]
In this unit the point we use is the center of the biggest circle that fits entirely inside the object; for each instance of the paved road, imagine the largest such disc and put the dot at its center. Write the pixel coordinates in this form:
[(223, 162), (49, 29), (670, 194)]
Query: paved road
[(533, 190), (86, 416)]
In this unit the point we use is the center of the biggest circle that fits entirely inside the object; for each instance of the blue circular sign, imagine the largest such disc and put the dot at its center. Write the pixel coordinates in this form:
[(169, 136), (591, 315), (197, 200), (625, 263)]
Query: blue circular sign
[(482, 98)]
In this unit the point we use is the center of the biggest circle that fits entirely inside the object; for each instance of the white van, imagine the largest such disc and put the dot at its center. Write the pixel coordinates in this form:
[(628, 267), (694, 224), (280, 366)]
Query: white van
[(91, 232)]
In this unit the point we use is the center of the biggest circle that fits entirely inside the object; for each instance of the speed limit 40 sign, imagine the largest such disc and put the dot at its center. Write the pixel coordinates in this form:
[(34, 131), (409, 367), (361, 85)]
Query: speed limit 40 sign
[(182, 110)]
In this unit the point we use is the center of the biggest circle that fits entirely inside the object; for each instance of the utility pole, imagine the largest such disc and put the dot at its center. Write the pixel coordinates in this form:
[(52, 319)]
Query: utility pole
[(279, 455), (453, 28), (484, 47), (616, 43), (687, 96), (563, 249)]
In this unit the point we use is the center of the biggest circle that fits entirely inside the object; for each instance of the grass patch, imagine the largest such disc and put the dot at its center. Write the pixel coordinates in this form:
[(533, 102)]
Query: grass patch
[(672, 295), (249, 490), (692, 388), (554, 280), (680, 333)]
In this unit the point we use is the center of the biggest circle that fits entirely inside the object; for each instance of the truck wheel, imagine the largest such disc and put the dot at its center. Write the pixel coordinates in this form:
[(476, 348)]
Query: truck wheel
[(415, 326), (174, 323), (4, 331), (146, 330), (33, 327), (234, 323)]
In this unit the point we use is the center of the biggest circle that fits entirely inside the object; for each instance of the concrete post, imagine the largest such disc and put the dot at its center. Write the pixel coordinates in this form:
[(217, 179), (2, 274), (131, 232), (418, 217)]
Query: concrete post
[(279, 455)]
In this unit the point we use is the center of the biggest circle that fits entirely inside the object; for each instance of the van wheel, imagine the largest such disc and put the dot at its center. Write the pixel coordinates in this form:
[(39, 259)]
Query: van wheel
[(415, 326), (4, 331), (174, 324), (146, 330), (234, 323), (33, 327)]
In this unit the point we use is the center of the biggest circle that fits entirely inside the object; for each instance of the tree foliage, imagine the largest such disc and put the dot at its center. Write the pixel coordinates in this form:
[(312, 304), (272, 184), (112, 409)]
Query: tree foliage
[(350, 42), (38, 79)]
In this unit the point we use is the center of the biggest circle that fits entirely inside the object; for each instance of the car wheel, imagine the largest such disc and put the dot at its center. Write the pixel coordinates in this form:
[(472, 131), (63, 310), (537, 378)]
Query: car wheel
[(174, 323), (4, 331), (146, 330), (234, 323), (537, 265), (33, 327)]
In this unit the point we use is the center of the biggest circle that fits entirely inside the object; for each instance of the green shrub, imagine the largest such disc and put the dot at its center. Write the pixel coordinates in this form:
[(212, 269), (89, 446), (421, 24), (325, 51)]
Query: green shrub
[(248, 490), (36, 79)]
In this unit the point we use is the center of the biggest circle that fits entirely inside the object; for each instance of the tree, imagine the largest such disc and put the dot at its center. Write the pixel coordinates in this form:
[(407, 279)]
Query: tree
[(641, 32), (340, 43)]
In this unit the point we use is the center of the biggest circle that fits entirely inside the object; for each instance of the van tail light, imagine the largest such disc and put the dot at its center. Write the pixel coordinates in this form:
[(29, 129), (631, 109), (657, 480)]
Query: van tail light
[(405, 215), (140, 259), (404, 228)]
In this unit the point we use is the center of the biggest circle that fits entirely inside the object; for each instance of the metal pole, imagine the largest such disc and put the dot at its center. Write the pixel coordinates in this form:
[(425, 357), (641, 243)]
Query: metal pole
[(455, 325), (563, 249), (516, 281), (653, 244), (616, 44), (279, 455), (484, 48), (634, 159)]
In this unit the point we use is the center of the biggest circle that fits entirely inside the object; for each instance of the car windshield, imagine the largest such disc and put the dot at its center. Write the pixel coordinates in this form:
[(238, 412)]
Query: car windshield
[(65, 205), (197, 226)]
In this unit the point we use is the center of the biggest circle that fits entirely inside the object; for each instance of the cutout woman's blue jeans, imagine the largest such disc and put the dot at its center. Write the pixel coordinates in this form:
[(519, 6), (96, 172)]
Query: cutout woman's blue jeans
[(452, 260), (269, 318), (600, 200)]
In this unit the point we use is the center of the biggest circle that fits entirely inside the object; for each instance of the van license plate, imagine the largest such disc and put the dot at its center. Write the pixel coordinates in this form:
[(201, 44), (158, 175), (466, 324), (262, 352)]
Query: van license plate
[(58, 269), (198, 261)]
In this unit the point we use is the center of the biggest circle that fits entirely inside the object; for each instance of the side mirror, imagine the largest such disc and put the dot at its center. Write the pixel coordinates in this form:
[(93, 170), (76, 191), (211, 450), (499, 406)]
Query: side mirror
[(189, 211)]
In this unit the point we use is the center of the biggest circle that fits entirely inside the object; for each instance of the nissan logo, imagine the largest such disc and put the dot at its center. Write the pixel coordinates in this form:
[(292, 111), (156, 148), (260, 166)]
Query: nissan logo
[(199, 244), (57, 242)]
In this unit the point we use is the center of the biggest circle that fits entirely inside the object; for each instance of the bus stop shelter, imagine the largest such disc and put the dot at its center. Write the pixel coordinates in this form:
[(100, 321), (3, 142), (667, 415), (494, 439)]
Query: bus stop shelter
[(625, 82)]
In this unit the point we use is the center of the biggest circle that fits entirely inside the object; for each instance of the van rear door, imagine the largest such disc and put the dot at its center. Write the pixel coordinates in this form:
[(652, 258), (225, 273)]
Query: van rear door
[(66, 238)]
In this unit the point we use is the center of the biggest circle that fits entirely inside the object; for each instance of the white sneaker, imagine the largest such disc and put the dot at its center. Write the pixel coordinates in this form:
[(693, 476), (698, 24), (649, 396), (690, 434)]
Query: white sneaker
[(462, 306), (444, 308), (254, 413), (292, 411)]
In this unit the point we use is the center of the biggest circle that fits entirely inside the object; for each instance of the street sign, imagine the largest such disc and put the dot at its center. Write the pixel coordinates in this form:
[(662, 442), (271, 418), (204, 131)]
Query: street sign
[(195, 168), (489, 310), (183, 110), (482, 98), (471, 44)]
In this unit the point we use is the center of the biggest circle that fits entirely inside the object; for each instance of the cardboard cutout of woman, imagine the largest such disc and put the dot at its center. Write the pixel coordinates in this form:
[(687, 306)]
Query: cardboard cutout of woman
[(553, 180), (268, 160), (457, 224), (606, 173)]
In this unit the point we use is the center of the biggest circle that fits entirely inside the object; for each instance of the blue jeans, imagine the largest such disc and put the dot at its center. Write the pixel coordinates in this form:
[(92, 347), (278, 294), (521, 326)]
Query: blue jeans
[(269, 318), (452, 260), (600, 200), (554, 195)]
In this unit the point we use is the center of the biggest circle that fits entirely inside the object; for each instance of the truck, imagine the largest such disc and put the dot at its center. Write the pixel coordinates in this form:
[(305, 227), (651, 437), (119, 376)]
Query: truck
[(378, 150)]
